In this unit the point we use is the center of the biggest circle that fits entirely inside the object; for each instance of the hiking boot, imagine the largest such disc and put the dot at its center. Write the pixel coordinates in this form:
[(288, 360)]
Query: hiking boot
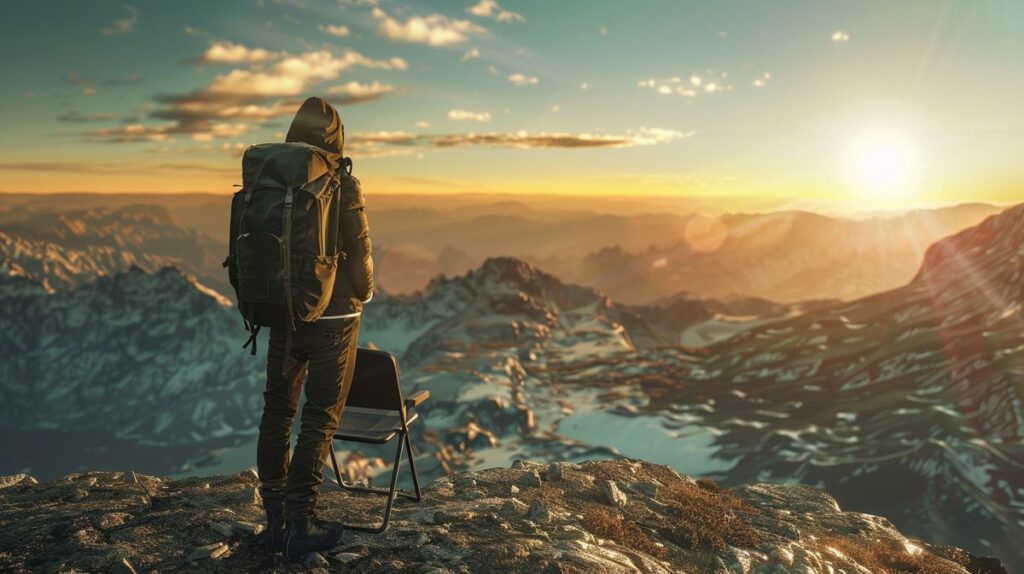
[(273, 537), (306, 533)]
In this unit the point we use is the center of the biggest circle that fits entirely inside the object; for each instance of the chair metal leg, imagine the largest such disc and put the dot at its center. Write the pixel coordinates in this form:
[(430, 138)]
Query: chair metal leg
[(337, 472), (412, 467), (378, 490), (390, 493)]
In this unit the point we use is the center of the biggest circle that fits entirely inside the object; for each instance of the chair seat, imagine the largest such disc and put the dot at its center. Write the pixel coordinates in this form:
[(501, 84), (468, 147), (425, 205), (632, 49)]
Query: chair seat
[(377, 426)]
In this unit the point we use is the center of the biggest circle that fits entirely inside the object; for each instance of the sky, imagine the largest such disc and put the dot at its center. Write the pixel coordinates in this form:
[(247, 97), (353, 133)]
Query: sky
[(868, 103)]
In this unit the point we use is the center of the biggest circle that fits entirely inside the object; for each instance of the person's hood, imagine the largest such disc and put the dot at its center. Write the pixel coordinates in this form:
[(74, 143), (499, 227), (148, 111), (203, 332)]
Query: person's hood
[(319, 124)]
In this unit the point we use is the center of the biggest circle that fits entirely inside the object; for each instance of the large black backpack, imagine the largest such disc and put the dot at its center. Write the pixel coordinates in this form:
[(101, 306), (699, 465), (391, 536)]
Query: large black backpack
[(283, 253)]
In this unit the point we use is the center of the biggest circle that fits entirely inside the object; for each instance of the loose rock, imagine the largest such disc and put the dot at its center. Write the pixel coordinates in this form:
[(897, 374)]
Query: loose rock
[(530, 479), (612, 493), (539, 511), (210, 551), (16, 480)]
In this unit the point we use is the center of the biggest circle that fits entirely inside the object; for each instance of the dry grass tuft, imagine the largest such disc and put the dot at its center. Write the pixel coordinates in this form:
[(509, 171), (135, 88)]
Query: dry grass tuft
[(709, 485), (707, 518), (889, 560), (606, 524)]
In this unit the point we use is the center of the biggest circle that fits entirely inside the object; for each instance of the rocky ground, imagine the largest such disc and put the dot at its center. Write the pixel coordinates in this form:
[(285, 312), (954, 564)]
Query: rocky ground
[(607, 516)]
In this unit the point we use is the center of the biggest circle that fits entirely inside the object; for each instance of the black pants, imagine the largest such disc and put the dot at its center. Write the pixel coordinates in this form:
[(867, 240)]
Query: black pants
[(329, 355)]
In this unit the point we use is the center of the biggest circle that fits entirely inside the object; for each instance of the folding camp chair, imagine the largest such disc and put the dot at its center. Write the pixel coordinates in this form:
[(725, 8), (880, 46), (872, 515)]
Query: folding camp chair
[(375, 414)]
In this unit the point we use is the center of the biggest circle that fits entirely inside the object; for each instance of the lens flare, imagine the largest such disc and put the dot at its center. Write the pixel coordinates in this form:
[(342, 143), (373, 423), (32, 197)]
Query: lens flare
[(883, 164)]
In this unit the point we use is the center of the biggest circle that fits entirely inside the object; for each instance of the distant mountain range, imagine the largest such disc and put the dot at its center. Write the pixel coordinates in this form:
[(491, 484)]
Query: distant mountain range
[(905, 403), (637, 251), (66, 249)]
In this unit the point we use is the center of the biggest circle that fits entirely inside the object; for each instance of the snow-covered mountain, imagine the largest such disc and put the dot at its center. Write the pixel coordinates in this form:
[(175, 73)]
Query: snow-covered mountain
[(149, 357)]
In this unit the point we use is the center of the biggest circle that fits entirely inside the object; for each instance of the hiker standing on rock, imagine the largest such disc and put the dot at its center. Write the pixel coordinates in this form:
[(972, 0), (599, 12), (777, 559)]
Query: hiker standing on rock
[(300, 262)]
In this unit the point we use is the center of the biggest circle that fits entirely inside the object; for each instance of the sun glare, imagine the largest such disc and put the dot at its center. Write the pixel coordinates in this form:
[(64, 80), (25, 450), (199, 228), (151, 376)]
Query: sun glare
[(884, 164)]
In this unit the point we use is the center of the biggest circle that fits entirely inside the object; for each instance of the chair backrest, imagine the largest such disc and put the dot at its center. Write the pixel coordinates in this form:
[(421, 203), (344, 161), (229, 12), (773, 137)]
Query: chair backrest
[(375, 383)]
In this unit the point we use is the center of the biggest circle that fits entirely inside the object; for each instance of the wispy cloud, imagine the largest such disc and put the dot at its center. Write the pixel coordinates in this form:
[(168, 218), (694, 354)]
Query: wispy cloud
[(520, 139), (523, 80), (357, 93), (123, 25), (840, 36), (223, 52), (466, 115), (386, 137), (526, 140), (432, 30), (370, 145), (762, 81), (133, 133), (339, 30), (471, 54), (103, 168), (79, 118), (692, 86), (491, 9)]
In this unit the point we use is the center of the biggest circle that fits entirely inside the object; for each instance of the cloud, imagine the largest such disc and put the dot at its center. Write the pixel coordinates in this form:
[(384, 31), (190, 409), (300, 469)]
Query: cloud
[(471, 54), (293, 74), (193, 31), (526, 140), (103, 168), (124, 25), (422, 124), (386, 137), (76, 117), (368, 145), (840, 36), (223, 52), (400, 143), (357, 93), (697, 84), (466, 115), (432, 30), (518, 140), (762, 81), (134, 133), (339, 30), (491, 9), (256, 92), (523, 80), (232, 149)]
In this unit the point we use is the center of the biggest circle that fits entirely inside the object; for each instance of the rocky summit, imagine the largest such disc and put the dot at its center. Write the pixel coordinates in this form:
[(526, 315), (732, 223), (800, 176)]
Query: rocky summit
[(603, 516)]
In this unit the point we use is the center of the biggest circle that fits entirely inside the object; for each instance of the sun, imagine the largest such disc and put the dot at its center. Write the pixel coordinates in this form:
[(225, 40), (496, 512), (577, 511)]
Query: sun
[(883, 163)]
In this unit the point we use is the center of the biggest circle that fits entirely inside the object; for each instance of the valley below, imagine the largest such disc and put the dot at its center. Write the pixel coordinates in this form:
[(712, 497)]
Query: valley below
[(904, 402)]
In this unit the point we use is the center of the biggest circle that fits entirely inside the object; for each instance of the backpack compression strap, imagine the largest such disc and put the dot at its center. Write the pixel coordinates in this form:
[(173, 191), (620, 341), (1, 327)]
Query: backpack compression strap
[(250, 326), (287, 237)]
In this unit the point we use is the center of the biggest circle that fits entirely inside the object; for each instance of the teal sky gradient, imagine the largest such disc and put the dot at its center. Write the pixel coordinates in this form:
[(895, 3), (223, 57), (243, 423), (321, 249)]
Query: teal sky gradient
[(947, 76)]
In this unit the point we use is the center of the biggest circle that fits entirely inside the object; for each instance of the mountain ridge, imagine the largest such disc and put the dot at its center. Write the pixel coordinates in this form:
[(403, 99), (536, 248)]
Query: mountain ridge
[(615, 517)]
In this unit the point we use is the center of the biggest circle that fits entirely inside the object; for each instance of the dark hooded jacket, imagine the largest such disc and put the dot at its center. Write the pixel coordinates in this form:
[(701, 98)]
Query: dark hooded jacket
[(319, 124)]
